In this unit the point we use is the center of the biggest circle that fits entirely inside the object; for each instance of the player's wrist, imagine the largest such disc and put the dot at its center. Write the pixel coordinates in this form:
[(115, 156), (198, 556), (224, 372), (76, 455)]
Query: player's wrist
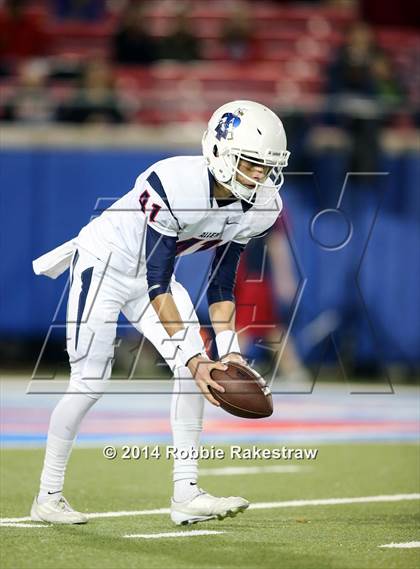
[(189, 344), (227, 343), (196, 362)]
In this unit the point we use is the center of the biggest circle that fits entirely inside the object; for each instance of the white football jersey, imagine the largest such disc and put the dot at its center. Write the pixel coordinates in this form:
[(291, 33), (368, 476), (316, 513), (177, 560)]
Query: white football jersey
[(174, 196)]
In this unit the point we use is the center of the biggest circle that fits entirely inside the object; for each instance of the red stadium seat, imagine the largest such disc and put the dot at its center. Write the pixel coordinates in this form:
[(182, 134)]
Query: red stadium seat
[(294, 44)]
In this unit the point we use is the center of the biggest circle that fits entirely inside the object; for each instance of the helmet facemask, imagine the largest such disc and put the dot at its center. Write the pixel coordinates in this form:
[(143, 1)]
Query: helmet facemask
[(271, 181)]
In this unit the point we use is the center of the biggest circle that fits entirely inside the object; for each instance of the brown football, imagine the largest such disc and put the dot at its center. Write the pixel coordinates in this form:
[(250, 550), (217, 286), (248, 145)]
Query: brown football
[(246, 393)]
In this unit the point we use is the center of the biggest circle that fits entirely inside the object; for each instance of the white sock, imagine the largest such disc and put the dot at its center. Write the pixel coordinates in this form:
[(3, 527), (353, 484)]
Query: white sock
[(63, 428), (185, 489), (57, 454), (187, 408)]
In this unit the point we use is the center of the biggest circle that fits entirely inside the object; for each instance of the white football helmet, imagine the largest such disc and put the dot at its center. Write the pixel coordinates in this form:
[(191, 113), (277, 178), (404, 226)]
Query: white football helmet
[(249, 131)]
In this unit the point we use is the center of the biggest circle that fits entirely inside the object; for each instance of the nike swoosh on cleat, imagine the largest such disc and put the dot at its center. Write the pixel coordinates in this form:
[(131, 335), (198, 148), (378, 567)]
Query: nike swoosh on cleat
[(56, 492)]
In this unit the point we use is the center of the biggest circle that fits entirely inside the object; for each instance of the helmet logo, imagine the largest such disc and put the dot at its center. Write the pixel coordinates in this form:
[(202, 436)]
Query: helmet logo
[(227, 123)]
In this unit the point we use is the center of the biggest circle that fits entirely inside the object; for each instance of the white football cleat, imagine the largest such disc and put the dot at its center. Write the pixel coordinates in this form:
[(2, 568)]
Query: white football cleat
[(205, 507), (56, 511)]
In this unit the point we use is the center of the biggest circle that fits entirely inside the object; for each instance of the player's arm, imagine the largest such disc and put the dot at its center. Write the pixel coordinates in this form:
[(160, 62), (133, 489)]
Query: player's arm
[(221, 300), (160, 259)]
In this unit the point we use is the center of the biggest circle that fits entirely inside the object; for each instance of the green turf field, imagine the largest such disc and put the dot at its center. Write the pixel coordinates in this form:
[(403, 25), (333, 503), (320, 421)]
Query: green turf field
[(316, 536)]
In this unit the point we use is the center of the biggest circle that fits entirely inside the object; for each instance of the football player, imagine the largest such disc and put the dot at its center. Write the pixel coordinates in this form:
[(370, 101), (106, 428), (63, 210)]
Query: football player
[(123, 261)]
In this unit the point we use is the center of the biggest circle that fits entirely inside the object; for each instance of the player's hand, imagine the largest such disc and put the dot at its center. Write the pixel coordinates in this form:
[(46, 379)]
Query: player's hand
[(200, 368), (238, 359), (235, 358)]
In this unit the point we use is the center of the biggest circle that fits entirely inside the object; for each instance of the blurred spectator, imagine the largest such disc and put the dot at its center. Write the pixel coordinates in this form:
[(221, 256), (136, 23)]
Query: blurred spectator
[(393, 98), (237, 34), (181, 44), (132, 42), (350, 72), (31, 102), (66, 67), (22, 35), (85, 10), (387, 88), (352, 89), (96, 101)]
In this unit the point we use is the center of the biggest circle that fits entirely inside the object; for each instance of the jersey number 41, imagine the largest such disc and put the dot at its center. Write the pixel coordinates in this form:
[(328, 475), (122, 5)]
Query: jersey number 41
[(143, 199)]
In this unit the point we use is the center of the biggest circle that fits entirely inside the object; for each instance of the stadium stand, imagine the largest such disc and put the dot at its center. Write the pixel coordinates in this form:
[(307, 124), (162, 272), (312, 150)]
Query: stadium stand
[(295, 44)]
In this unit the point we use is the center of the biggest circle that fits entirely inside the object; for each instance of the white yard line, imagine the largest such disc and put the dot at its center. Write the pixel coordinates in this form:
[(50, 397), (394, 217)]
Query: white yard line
[(239, 470), (173, 534), (407, 545), (334, 501), (6, 521), (255, 506), (20, 525), (101, 515), (128, 513)]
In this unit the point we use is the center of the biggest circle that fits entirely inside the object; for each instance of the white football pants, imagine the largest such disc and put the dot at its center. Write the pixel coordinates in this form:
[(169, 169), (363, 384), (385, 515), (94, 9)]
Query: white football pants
[(97, 296)]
